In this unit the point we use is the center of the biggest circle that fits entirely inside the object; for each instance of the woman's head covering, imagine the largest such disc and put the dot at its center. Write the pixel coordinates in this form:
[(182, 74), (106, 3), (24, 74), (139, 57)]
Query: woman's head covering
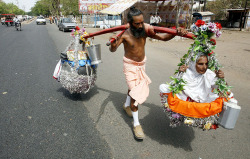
[(199, 86), (192, 64)]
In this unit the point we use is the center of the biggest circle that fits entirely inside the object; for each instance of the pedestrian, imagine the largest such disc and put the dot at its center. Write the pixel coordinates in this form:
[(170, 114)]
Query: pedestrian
[(74, 19), (134, 40), (56, 19), (158, 19), (50, 19), (152, 19)]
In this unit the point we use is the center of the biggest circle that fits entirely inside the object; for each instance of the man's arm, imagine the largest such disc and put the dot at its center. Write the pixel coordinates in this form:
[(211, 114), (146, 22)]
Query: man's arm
[(116, 43), (165, 37)]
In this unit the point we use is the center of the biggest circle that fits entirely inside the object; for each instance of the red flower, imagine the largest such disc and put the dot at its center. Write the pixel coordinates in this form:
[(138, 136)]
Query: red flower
[(218, 25), (214, 126), (77, 28), (210, 53), (199, 23), (213, 41)]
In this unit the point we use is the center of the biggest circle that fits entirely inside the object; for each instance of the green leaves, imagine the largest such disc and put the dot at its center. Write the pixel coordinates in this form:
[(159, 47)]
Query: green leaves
[(196, 48), (177, 85), (223, 88), (10, 8), (55, 7)]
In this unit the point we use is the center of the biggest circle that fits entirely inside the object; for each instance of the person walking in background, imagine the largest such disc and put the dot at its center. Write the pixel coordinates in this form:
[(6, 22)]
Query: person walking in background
[(157, 19), (152, 19), (50, 20)]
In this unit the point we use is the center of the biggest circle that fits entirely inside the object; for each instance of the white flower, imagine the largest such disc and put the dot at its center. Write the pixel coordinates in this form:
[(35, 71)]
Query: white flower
[(204, 28), (194, 28), (218, 33)]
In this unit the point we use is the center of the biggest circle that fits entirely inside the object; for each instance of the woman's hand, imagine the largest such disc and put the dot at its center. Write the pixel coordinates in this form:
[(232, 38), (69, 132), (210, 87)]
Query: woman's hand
[(219, 73), (183, 68)]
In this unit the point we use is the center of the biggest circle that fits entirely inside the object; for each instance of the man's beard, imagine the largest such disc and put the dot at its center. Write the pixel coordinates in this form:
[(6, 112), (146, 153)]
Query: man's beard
[(138, 33)]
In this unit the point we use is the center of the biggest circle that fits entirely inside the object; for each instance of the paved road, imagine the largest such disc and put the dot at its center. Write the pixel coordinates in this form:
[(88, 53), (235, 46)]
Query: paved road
[(38, 118), (102, 107)]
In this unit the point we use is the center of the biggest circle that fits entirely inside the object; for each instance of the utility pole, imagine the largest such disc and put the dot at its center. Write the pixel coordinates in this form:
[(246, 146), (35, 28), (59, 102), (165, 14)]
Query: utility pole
[(244, 15), (204, 8), (199, 5)]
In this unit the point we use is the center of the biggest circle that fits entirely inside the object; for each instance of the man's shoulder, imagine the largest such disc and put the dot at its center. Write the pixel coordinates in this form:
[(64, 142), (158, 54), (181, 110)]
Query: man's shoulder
[(149, 29), (126, 35)]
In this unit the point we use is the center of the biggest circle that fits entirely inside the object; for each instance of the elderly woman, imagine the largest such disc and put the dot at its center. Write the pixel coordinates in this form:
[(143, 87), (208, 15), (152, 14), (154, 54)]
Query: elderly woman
[(200, 81)]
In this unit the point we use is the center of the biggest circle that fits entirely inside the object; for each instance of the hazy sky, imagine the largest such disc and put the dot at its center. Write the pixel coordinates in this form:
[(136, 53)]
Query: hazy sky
[(23, 4)]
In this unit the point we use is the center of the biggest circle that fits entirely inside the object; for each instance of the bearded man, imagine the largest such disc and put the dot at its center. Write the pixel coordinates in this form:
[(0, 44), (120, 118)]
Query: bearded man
[(134, 40)]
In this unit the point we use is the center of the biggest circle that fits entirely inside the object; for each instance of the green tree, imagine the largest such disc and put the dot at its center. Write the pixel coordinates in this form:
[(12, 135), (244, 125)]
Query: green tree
[(55, 7), (41, 8), (70, 7), (2, 7), (10, 8)]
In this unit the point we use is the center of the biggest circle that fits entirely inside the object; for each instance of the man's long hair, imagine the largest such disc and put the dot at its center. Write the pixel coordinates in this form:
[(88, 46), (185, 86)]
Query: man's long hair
[(138, 33), (133, 12)]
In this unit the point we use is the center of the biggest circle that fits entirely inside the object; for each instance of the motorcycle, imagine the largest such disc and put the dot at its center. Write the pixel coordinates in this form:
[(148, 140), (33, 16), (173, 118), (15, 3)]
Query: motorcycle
[(3, 22), (18, 26)]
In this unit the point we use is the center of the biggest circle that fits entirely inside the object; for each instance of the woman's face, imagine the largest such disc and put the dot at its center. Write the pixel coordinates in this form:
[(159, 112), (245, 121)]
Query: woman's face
[(201, 65)]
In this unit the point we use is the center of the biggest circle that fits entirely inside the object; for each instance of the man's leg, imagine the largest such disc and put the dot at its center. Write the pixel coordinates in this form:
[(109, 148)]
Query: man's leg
[(134, 112), (138, 132), (126, 106)]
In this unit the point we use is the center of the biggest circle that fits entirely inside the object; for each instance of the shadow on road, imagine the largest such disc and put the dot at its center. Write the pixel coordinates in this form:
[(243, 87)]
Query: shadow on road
[(78, 96), (155, 124)]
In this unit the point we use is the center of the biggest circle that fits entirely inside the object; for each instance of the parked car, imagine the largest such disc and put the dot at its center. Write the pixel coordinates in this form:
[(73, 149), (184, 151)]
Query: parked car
[(66, 24), (40, 20)]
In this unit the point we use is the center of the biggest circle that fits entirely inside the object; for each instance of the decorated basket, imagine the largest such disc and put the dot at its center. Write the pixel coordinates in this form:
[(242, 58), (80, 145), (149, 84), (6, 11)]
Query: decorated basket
[(77, 74), (202, 115)]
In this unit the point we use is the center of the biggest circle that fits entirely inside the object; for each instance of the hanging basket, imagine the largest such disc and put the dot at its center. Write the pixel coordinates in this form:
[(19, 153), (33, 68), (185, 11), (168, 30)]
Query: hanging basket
[(76, 83), (77, 74), (206, 122)]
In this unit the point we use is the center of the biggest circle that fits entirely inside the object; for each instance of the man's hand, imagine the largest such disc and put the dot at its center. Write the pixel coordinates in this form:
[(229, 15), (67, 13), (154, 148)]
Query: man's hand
[(183, 68), (181, 31), (113, 37), (219, 73), (113, 45)]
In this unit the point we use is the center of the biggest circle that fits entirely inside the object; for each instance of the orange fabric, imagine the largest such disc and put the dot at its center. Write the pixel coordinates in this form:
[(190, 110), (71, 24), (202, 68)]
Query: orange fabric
[(194, 109)]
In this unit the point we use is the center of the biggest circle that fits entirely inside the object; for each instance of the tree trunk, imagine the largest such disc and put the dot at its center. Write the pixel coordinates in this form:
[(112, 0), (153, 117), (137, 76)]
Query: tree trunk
[(191, 14), (178, 7)]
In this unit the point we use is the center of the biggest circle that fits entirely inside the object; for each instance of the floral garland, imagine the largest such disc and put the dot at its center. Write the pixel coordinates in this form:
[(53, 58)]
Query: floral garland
[(204, 43), (81, 32)]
